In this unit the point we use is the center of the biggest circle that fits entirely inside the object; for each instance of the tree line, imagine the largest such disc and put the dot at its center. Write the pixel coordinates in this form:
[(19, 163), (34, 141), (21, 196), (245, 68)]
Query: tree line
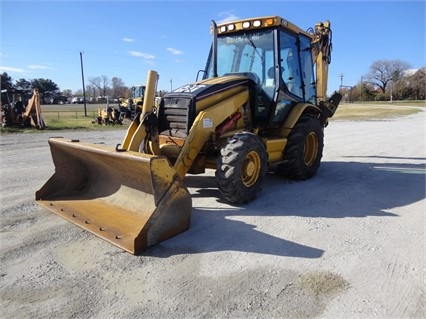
[(98, 89), (387, 80)]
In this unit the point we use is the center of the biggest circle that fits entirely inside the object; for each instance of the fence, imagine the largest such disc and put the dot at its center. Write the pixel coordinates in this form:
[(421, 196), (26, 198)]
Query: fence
[(68, 115)]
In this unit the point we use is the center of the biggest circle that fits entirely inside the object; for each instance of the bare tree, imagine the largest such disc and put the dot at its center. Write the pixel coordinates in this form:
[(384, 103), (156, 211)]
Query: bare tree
[(96, 82), (67, 92), (384, 71), (118, 87), (104, 82)]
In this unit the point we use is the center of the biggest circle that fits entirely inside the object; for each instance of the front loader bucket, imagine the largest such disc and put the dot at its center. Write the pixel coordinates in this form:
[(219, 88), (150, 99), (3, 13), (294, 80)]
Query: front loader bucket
[(130, 199)]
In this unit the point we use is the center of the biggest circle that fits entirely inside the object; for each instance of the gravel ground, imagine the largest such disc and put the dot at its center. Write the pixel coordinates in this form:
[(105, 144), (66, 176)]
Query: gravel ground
[(348, 243)]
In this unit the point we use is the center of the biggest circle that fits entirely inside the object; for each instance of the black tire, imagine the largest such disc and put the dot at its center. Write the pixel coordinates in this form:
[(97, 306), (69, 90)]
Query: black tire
[(304, 149), (4, 116), (241, 167)]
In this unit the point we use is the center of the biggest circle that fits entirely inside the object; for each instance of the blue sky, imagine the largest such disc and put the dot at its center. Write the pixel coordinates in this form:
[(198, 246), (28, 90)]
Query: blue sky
[(43, 39)]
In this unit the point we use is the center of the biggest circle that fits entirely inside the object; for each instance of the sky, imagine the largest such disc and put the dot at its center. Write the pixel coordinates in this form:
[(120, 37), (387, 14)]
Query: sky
[(125, 39)]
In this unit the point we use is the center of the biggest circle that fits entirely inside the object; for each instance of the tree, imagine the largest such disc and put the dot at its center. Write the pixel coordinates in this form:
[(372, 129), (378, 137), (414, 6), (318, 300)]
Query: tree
[(6, 81), (105, 82), (382, 72), (101, 83), (23, 84), (118, 88), (91, 92), (418, 83), (67, 93), (46, 87), (95, 81)]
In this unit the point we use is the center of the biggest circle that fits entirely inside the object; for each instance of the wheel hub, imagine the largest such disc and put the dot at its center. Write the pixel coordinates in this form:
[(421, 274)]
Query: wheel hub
[(251, 169), (310, 149)]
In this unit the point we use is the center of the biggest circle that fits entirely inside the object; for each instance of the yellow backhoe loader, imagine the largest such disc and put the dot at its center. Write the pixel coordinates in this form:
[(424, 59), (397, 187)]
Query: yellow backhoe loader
[(131, 106), (260, 103)]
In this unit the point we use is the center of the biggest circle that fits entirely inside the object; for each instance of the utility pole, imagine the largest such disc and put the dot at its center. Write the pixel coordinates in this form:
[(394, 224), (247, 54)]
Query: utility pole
[(341, 79), (82, 79), (171, 86)]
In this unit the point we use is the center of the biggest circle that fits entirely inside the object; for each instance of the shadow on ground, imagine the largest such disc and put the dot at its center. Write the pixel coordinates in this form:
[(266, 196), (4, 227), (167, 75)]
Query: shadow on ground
[(340, 190)]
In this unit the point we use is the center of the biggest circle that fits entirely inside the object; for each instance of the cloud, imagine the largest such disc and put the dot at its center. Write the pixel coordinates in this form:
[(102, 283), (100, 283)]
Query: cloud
[(228, 16), (128, 40), (141, 55), (174, 51), (11, 69), (37, 67)]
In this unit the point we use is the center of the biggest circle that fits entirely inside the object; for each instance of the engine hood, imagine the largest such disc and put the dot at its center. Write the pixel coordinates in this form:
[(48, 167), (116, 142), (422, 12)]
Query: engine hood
[(206, 88)]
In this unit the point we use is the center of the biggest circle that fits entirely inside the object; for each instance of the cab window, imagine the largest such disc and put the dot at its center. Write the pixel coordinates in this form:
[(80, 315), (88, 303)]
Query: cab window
[(289, 53)]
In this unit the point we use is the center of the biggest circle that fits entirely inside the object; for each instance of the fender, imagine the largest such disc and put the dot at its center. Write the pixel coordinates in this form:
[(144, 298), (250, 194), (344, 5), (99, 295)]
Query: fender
[(295, 114)]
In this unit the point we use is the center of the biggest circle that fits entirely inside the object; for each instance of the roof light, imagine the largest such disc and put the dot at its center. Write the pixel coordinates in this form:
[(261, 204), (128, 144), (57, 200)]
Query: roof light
[(257, 23), (246, 24), (231, 27), (223, 28), (269, 21)]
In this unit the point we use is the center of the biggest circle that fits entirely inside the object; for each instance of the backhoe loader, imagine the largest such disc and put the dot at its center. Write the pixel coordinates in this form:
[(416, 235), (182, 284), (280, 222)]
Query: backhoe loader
[(260, 104), (132, 105)]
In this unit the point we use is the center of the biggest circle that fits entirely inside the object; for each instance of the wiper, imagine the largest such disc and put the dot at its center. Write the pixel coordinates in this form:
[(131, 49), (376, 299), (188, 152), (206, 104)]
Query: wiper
[(254, 46)]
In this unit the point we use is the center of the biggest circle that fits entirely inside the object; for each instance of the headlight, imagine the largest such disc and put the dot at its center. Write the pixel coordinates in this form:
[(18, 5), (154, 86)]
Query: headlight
[(246, 24), (257, 23)]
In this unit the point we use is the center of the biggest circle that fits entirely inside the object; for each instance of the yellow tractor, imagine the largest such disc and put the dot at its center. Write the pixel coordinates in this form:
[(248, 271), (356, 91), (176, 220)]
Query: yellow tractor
[(131, 106), (260, 104)]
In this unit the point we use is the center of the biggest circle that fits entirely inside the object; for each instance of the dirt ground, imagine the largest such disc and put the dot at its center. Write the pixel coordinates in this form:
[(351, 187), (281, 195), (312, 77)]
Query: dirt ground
[(349, 243)]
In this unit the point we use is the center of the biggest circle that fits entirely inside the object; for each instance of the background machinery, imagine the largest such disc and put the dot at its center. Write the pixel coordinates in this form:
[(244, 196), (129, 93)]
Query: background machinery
[(19, 111), (133, 104), (260, 104), (127, 108)]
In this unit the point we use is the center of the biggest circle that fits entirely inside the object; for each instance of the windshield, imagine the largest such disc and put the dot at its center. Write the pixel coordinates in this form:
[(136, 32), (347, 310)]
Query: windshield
[(244, 52), (138, 91)]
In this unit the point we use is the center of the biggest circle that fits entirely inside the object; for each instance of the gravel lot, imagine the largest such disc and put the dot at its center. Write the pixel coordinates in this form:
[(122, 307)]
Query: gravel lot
[(348, 243)]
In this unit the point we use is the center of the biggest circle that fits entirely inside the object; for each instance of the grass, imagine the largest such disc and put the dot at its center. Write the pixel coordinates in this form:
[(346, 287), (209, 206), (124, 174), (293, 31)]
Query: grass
[(376, 111), (69, 117)]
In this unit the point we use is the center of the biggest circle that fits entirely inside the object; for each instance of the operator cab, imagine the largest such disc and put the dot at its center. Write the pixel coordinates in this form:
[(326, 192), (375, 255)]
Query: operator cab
[(138, 91), (276, 58)]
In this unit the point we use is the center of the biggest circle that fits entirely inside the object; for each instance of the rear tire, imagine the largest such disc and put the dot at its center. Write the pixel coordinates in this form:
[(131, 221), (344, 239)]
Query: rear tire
[(241, 167), (304, 149)]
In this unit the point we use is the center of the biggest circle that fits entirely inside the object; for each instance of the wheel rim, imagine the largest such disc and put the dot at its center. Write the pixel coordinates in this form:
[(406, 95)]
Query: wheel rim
[(311, 149), (251, 169)]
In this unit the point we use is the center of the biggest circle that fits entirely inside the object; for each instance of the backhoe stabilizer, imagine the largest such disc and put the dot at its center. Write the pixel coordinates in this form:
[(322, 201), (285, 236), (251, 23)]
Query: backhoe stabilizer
[(130, 199)]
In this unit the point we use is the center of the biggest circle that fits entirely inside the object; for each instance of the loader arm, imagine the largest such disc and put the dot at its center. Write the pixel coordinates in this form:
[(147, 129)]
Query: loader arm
[(204, 126), (141, 126)]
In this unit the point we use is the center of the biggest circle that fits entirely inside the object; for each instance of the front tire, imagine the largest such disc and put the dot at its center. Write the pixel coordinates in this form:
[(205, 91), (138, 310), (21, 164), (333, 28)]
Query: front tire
[(304, 149), (241, 168)]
